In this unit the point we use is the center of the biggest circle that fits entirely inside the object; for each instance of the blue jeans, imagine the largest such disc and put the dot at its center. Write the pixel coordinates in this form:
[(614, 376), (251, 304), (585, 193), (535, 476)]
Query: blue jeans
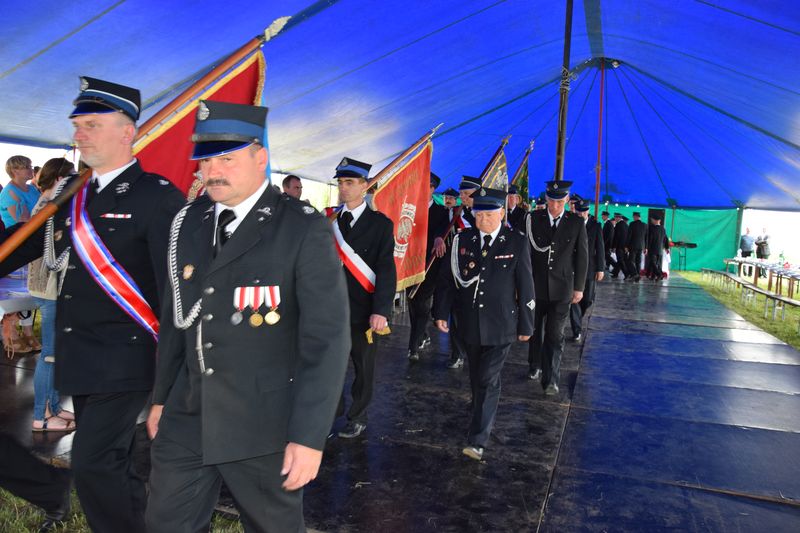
[(43, 390)]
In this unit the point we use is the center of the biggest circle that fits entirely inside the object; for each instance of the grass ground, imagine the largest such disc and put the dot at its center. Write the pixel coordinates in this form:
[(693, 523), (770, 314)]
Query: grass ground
[(785, 330), (18, 516)]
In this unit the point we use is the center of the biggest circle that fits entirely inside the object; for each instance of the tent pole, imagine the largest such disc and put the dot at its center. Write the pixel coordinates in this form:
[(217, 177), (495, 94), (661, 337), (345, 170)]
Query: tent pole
[(599, 138), (563, 97)]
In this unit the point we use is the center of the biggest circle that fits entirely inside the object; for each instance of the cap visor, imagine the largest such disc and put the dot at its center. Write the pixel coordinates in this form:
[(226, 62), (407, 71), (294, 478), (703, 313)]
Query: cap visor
[(217, 148)]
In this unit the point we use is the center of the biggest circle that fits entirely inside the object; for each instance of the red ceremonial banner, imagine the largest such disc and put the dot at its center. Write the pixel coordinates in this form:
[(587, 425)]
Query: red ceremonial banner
[(404, 199), (166, 150)]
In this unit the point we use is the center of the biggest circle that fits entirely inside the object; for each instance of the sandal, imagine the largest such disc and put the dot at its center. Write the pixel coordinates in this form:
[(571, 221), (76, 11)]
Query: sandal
[(17, 346), (33, 343), (54, 423), (66, 415)]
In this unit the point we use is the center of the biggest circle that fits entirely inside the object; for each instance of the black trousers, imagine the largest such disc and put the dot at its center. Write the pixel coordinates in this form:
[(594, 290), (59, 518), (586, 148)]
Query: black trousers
[(578, 310), (111, 492), (362, 354), (747, 270), (610, 263), (622, 262), (458, 349), (26, 477), (485, 367), (654, 266), (184, 491), (547, 343), (419, 307), (634, 262)]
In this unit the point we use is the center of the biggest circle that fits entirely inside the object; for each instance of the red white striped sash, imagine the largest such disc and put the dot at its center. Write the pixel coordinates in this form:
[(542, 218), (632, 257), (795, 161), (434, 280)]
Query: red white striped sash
[(352, 261), (105, 270)]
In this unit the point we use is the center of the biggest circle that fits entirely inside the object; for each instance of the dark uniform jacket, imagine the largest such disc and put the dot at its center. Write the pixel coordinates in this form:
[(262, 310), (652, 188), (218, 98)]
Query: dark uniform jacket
[(271, 384), (620, 236), (596, 248), (372, 238), (499, 306), (608, 233), (560, 270), (438, 221), (516, 218), (657, 240), (100, 348), (637, 235)]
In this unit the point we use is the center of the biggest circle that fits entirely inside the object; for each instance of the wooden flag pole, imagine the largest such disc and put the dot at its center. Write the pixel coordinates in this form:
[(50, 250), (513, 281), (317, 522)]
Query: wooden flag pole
[(497, 153), (388, 169), (563, 97)]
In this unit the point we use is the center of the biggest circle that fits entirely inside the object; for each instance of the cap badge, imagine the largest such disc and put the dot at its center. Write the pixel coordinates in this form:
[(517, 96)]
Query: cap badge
[(555, 185), (483, 192), (202, 111), (84, 84)]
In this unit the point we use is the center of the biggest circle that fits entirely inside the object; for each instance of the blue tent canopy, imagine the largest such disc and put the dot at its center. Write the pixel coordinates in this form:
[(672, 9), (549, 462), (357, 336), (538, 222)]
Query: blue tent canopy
[(701, 104)]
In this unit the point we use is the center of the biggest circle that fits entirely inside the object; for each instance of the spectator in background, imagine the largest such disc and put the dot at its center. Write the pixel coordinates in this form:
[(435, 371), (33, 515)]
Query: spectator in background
[(762, 249), (43, 286), (292, 186), (16, 202), (747, 246)]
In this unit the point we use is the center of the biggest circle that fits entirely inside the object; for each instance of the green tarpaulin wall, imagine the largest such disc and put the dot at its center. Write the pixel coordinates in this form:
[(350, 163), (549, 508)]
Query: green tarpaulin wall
[(715, 231)]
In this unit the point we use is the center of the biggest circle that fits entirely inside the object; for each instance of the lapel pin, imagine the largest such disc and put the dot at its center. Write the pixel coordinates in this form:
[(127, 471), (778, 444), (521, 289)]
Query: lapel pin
[(188, 272)]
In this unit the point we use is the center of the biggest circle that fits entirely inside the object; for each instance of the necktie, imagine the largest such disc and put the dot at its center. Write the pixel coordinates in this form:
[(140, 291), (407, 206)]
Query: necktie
[(344, 221), (221, 236), (555, 223), (487, 242), (92, 191)]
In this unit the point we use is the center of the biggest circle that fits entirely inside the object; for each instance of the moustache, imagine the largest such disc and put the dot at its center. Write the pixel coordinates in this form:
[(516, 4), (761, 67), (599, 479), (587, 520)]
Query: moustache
[(216, 181)]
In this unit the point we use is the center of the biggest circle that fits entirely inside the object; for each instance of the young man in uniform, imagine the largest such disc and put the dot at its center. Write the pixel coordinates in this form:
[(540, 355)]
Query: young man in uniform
[(365, 241)]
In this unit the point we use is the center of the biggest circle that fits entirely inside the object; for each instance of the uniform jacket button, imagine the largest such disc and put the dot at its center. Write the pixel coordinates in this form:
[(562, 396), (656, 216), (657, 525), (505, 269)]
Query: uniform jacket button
[(70, 267), (67, 329), (480, 305), (67, 296), (208, 317), (209, 371), (134, 337), (208, 345), (209, 290)]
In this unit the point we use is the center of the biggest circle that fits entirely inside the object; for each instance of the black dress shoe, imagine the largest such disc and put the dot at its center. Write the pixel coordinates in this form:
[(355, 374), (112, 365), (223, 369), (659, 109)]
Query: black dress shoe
[(413, 356), (551, 389), (456, 363), (535, 375), (57, 518), (473, 452), (352, 430), (425, 342)]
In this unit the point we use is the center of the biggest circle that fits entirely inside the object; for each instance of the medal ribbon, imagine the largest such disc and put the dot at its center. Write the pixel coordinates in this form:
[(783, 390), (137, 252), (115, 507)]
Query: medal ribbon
[(255, 298), (239, 299), (272, 296), (106, 270)]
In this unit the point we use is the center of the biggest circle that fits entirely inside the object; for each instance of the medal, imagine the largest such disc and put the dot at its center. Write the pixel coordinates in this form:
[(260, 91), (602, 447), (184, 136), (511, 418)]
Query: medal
[(255, 297), (57, 235), (272, 318), (256, 320), (240, 304), (272, 298), (188, 271), (484, 253), (471, 264)]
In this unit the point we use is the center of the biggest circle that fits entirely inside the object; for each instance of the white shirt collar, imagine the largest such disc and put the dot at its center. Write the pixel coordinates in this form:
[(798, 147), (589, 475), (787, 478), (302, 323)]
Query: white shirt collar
[(430, 203), (493, 235), (560, 217), (355, 212), (108, 177), (240, 210)]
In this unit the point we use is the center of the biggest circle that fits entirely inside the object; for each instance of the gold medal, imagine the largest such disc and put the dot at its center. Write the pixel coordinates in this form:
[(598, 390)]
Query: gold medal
[(272, 317), (256, 320), (188, 271)]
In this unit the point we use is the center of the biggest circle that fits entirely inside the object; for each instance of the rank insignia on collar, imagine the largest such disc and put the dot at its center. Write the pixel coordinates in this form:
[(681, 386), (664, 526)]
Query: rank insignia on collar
[(122, 188), (188, 272), (210, 209), (502, 238), (266, 211), (531, 304)]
